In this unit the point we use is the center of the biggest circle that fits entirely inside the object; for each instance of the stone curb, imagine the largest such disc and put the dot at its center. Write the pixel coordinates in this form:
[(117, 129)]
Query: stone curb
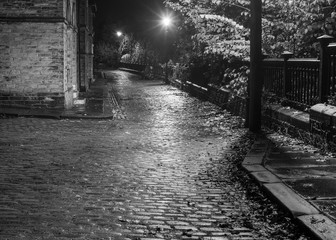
[(57, 116), (130, 71), (108, 104), (25, 113), (305, 213), (105, 117)]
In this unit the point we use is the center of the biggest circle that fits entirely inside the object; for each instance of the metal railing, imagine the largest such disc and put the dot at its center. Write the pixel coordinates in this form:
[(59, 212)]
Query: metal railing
[(302, 82), (133, 66)]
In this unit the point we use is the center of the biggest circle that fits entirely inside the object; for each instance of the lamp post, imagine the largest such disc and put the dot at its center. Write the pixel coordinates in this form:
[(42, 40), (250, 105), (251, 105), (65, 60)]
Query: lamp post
[(255, 81), (166, 22), (119, 35)]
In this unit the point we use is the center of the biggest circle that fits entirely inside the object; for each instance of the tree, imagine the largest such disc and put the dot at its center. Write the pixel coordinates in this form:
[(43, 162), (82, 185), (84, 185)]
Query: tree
[(295, 25), (139, 51), (217, 33), (106, 46), (220, 29)]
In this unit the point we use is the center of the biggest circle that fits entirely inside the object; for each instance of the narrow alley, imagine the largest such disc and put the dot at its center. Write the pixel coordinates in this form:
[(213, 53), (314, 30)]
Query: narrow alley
[(166, 170)]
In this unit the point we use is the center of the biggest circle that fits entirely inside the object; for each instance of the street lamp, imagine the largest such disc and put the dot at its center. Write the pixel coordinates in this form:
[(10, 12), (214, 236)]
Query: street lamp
[(166, 22), (255, 81), (119, 40)]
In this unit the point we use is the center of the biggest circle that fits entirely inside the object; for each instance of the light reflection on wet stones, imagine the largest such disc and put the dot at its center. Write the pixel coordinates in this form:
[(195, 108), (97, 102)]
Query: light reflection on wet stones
[(161, 173)]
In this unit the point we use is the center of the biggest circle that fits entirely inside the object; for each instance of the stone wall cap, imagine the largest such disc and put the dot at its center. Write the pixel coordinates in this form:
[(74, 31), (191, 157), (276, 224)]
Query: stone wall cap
[(324, 109)]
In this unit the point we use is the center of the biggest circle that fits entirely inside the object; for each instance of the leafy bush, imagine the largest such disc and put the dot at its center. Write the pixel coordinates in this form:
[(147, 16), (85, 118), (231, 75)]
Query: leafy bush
[(106, 54), (332, 99), (217, 32), (179, 71), (238, 80)]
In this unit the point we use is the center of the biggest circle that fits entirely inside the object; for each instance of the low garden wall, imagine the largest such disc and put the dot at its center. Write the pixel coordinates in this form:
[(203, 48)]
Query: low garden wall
[(220, 97), (317, 127)]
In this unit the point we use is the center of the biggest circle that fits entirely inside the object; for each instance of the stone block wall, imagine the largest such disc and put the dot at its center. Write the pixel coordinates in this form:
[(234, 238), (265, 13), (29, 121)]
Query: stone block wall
[(323, 121), (70, 39), (318, 127), (220, 97), (31, 60), (31, 8), (89, 45), (38, 53), (85, 45)]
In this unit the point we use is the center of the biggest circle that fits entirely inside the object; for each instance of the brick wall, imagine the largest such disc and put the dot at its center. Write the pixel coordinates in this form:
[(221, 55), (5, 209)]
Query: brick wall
[(70, 64), (38, 58), (31, 60), (85, 45), (323, 122), (70, 37), (89, 46), (32, 57), (31, 8)]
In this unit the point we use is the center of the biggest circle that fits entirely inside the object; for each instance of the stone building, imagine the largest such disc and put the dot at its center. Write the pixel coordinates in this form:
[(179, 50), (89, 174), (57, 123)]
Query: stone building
[(45, 52), (87, 9)]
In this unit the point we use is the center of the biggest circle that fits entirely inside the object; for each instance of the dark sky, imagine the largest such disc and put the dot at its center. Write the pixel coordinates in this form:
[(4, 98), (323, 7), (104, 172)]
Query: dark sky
[(140, 16)]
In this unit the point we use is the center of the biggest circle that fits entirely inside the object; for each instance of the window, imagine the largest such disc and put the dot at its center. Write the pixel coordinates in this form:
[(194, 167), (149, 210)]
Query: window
[(68, 11), (74, 15)]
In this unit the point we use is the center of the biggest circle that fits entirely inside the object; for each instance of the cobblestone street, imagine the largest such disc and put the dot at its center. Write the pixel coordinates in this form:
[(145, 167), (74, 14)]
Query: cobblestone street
[(161, 172)]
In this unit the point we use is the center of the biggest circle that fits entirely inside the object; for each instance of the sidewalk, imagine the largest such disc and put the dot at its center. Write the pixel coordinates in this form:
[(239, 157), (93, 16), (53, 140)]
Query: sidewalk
[(301, 180), (100, 103)]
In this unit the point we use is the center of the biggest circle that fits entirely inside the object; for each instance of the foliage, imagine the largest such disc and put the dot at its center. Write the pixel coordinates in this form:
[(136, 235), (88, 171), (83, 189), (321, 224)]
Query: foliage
[(287, 25), (106, 50), (295, 25), (106, 54), (179, 71), (332, 99), (238, 80), (217, 32), (127, 44), (213, 32), (138, 51), (110, 48)]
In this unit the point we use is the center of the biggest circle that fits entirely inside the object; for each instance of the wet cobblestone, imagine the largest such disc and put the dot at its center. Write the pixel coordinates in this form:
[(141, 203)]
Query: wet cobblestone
[(160, 173)]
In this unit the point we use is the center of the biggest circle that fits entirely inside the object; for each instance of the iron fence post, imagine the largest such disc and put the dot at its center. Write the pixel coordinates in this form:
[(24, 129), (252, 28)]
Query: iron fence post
[(286, 76), (324, 83)]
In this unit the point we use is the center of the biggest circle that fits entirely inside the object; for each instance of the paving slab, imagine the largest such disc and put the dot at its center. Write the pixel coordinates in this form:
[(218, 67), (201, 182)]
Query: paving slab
[(320, 225), (261, 144), (265, 177), (254, 168), (308, 188), (328, 206), (256, 152), (291, 200), (303, 172), (314, 188), (254, 160), (300, 159)]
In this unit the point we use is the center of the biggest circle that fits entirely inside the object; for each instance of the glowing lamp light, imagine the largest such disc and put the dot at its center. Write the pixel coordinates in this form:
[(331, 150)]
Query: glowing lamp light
[(166, 21), (119, 34)]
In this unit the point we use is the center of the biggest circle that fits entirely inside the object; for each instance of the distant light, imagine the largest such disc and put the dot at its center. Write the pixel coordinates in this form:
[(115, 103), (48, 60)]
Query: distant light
[(119, 34)]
